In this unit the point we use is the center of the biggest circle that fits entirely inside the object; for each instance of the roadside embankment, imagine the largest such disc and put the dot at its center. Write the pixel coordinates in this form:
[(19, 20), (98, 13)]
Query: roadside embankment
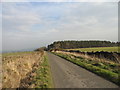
[(25, 70)]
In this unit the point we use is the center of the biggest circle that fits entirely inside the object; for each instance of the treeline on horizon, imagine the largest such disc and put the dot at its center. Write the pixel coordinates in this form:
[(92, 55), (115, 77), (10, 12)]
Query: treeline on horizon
[(81, 44)]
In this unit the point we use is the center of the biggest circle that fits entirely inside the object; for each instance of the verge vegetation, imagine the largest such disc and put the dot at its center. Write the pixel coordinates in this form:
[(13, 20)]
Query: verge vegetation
[(43, 78), (26, 70)]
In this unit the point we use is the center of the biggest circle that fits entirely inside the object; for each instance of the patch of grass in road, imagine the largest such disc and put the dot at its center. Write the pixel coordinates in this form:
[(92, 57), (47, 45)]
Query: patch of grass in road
[(107, 74), (43, 78), (95, 49)]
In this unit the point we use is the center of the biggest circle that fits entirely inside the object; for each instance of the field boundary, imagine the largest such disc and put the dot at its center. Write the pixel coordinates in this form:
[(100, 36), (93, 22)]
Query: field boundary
[(52, 82), (43, 78)]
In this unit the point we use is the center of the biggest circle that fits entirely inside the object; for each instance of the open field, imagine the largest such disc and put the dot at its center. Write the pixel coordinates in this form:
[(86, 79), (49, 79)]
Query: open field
[(95, 49), (15, 53), (105, 70), (26, 70)]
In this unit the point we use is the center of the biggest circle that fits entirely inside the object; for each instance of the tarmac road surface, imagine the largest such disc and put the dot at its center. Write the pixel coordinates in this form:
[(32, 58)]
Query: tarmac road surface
[(68, 75)]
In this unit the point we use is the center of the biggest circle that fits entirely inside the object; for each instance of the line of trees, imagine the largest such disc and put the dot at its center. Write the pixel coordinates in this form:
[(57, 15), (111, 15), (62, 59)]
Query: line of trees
[(81, 44)]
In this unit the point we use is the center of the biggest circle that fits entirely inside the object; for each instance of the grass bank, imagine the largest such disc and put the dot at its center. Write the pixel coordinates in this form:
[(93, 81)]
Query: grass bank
[(43, 78), (26, 70), (17, 67), (95, 68)]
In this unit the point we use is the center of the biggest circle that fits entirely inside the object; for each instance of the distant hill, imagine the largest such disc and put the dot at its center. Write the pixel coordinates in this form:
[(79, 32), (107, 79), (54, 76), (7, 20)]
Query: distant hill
[(22, 50), (80, 44)]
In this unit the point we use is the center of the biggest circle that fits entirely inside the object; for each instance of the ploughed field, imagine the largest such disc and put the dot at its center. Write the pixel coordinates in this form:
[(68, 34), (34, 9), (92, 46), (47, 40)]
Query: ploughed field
[(25, 70), (103, 61)]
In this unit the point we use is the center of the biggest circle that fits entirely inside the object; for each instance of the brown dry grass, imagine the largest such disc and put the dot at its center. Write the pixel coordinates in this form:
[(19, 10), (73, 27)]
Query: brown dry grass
[(87, 57), (16, 67)]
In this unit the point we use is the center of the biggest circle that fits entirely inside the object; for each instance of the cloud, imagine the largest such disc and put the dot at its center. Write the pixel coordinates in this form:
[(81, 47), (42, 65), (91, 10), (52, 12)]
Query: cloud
[(31, 25), (0, 27), (16, 18), (60, 1)]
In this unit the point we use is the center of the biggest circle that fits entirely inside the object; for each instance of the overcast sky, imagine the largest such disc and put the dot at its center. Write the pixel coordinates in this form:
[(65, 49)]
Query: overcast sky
[(28, 25)]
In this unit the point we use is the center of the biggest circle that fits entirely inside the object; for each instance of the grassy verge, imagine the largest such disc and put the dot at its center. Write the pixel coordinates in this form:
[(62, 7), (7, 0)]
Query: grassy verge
[(107, 74), (43, 78)]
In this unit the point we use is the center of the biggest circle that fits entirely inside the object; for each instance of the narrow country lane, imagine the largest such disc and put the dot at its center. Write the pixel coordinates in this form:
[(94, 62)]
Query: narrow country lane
[(68, 75)]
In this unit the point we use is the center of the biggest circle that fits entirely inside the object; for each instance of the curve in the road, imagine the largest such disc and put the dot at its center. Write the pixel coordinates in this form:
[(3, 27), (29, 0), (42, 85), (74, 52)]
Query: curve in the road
[(68, 75)]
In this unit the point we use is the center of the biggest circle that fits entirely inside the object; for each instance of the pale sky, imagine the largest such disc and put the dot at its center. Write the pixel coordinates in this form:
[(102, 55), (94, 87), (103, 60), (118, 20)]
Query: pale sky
[(27, 25)]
